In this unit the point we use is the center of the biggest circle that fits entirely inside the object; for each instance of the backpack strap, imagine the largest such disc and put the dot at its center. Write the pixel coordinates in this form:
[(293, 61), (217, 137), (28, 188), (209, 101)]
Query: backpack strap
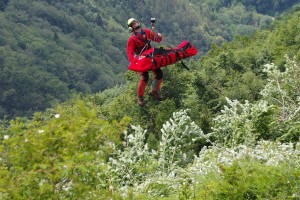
[(140, 38), (146, 42)]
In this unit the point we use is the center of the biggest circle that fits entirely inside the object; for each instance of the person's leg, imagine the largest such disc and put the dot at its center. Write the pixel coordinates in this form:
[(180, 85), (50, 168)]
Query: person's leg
[(144, 77), (156, 83)]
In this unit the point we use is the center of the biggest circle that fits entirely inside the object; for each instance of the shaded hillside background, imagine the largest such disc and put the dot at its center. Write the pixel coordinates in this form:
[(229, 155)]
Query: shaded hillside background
[(50, 50)]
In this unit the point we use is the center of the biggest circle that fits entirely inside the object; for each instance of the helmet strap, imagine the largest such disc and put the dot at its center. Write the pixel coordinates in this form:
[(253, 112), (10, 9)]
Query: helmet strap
[(131, 29)]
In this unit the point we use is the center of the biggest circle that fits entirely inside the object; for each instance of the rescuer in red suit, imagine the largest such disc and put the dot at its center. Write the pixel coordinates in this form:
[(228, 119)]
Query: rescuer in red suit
[(137, 43)]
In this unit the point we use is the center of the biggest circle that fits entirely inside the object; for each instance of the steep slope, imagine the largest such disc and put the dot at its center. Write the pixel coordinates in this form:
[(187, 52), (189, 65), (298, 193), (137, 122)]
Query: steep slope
[(50, 49), (103, 146)]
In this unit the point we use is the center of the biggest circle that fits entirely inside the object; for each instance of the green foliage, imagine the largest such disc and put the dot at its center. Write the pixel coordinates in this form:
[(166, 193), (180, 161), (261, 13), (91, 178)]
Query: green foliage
[(242, 123), (282, 90), (51, 49), (149, 170), (104, 146), (247, 180), (54, 158), (134, 163), (177, 145), (268, 170), (236, 70), (117, 102), (275, 118), (52, 52)]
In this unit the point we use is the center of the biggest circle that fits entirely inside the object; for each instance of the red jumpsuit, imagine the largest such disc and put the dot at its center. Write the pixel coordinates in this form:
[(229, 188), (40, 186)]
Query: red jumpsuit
[(136, 44)]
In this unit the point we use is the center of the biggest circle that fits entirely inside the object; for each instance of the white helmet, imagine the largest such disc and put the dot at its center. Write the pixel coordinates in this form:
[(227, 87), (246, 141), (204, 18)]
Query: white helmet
[(130, 22)]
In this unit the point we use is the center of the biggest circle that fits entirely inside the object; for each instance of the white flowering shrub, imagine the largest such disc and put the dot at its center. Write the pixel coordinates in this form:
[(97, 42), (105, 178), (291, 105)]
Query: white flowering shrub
[(176, 149), (269, 170), (132, 164), (283, 91), (241, 123), (266, 152), (179, 136), (274, 117), (156, 172)]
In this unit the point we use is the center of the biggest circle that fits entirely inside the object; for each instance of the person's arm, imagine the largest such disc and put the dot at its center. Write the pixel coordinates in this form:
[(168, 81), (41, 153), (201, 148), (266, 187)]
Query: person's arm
[(130, 49), (156, 37)]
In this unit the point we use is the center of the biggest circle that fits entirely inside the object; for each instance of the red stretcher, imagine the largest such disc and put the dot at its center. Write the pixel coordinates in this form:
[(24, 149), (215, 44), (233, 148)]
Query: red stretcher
[(154, 58)]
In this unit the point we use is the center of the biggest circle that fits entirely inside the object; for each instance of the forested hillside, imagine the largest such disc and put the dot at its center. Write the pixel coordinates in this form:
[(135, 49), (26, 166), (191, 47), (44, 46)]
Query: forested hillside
[(51, 49), (227, 129)]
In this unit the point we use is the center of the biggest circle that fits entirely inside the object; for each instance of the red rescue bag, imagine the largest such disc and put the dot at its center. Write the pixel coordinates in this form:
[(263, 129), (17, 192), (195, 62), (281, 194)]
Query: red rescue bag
[(154, 58)]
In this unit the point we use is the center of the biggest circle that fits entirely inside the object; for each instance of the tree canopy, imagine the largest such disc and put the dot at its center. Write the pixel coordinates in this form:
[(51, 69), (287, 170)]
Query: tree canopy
[(51, 49)]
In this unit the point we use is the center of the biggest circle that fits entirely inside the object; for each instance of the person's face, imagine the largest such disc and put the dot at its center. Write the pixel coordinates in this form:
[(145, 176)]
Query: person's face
[(136, 25)]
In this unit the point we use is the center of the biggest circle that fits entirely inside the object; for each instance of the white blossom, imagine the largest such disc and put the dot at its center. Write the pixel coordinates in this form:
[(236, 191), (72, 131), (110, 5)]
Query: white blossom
[(40, 131)]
